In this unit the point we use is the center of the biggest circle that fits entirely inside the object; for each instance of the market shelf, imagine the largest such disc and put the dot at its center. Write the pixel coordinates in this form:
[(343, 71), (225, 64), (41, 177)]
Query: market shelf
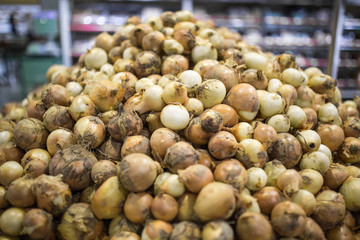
[(350, 48), (347, 93), (93, 27), (296, 27)]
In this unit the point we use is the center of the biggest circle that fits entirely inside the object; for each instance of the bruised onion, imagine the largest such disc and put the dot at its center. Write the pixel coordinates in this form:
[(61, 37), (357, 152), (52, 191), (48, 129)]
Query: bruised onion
[(55, 95), (124, 65), (174, 64), (126, 123), (137, 207), (251, 153), (138, 32), (195, 177), (30, 133), (349, 150), (216, 195), (252, 225), (169, 18), (312, 230), (137, 172), (217, 230), (352, 127), (171, 46), (135, 144), (102, 170), (37, 223), (211, 120), (147, 63), (229, 115)]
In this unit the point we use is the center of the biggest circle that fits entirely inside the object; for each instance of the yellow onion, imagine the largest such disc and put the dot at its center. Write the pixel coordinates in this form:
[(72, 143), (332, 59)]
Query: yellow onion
[(223, 73), (311, 118), (137, 207), (202, 66), (59, 139), (174, 64), (175, 92), (229, 115), (124, 65), (222, 145), (170, 184), (216, 230), (121, 224), (30, 133), (322, 83), (19, 193), (107, 201), (297, 116), (241, 131), (156, 229), (36, 109), (125, 235), (211, 92), (171, 46), (186, 230), (341, 232), (289, 181), (55, 94), (82, 106), (147, 63), (350, 191), (11, 221), (251, 153), (186, 207), (312, 230), (264, 133), (292, 76), (57, 117), (255, 60), (315, 160), (305, 199), (231, 172), (335, 176), (353, 171), (161, 140), (273, 170), (349, 150), (195, 177), (90, 131), (126, 123), (102, 170), (194, 106), (331, 136), (288, 219), (246, 203), (175, 117), (179, 156), (352, 127), (257, 178), (38, 224), (274, 84), (252, 225), (216, 195), (268, 198), (10, 171), (312, 180), (164, 207), (95, 58), (280, 122), (203, 50), (169, 18)]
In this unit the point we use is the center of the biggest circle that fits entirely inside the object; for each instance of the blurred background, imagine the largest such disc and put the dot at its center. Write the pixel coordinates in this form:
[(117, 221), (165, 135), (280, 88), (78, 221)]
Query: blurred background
[(35, 34)]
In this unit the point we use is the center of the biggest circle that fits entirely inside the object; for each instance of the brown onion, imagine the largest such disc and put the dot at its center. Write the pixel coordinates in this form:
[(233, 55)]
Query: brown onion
[(147, 63), (341, 232), (19, 193), (223, 73), (352, 127), (161, 140), (52, 194), (156, 229), (121, 224), (202, 66), (107, 201), (229, 115), (38, 154), (59, 139), (195, 133), (311, 118), (152, 41), (57, 117), (288, 219), (137, 34), (164, 207), (11, 221), (211, 120), (179, 156), (137, 207), (195, 177), (251, 153), (216, 195), (135, 144), (35, 109), (264, 133), (289, 181), (169, 18), (252, 225), (268, 198), (55, 95), (82, 106), (124, 65), (330, 209), (102, 170), (126, 123), (137, 172), (35, 168), (30, 133), (75, 164), (222, 145), (109, 150), (174, 64), (322, 83), (37, 223), (231, 172), (217, 230), (185, 38), (185, 230), (349, 150), (331, 135), (312, 231), (335, 176), (254, 77)]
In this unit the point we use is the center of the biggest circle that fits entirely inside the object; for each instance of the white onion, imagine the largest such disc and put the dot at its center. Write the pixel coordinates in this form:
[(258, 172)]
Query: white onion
[(212, 35), (304, 199), (292, 76), (95, 58), (171, 46), (255, 60), (142, 84), (312, 180), (194, 106), (273, 170), (274, 84), (297, 116), (74, 88), (190, 78), (280, 123), (271, 104), (211, 92), (315, 160), (327, 113), (175, 117), (152, 100), (257, 178), (170, 184), (6, 136), (350, 190), (242, 130), (324, 149), (203, 51), (309, 140), (108, 69)]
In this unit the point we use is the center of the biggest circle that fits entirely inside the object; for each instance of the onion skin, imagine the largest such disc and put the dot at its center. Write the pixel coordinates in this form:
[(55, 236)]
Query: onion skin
[(268, 198), (340, 233), (331, 135), (179, 156), (195, 133), (37, 223), (90, 131), (349, 150), (312, 231), (164, 207), (55, 95), (229, 115), (218, 196), (231, 172), (156, 229), (222, 145), (195, 177), (330, 209), (223, 73), (147, 63), (252, 225), (107, 201), (288, 219), (109, 150), (19, 193), (137, 207), (161, 140), (287, 149), (126, 123), (102, 170), (335, 176), (30, 133), (350, 191), (57, 117)]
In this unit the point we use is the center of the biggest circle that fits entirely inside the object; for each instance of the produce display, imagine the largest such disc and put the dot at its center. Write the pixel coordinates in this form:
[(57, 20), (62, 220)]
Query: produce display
[(175, 129)]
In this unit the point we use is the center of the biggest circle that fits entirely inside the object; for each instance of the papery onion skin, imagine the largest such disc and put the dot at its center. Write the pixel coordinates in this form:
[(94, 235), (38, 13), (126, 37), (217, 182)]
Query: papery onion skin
[(340, 232), (185, 230), (30, 133), (251, 153), (156, 229), (312, 180), (161, 140), (335, 176), (252, 225), (195, 177), (164, 207), (37, 223), (137, 207), (218, 196)]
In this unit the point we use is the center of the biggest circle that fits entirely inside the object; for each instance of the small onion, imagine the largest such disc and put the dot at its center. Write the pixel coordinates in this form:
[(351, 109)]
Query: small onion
[(171, 46), (216, 195), (217, 230), (229, 115), (288, 219), (82, 106), (202, 66), (280, 122), (10, 171), (312, 180), (11, 221), (174, 64), (137, 207), (264, 133), (37, 223), (74, 88), (286, 60), (251, 153), (194, 106), (211, 120), (274, 84), (231, 172), (322, 83), (195, 177), (257, 178), (102, 170), (109, 150), (121, 224), (156, 229), (327, 113), (211, 92), (164, 207), (315, 160), (202, 51), (95, 58), (30, 133), (254, 77), (186, 230), (59, 139), (190, 79), (175, 117), (353, 171), (222, 145), (126, 123), (268, 198), (55, 95), (350, 191), (304, 199), (255, 60), (335, 176), (297, 116), (90, 131), (57, 117), (241, 131), (309, 140), (135, 144), (170, 184), (3, 202), (352, 127), (273, 170), (292, 76), (161, 140), (19, 193), (341, 232), (179, 156), (252, 225), (186, 207), (175, 92), (289, 181), (223, 73), (331, 136), (246, 203), (349, 150)]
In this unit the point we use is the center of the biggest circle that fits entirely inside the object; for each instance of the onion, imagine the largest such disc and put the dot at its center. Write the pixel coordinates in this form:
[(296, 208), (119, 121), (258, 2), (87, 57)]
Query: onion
[(138, 32), (297, 116), (268, 198), (335, 176), (304, 199), (131, 53), (37, 224), (311, 118), (75, 164), (312, 230), (161, 140), (121, 224), (231, 172), (350, 191), (36, 154), (222, 145), (30, 133), (142, 84), (289, 181), (104, 93), (156, 229), (288, 219), (229, 115), (115, 53), (252, 225), (251, 153), (186, 230), (255, 60), (60, 77), (151, 99), (274, 84), (305, 97), (353, 171), (175, 92), (203, 50), (10, 171), (104, 41), (211, 92), (311, 71), (164, 207), (264, 133), (19, 193), (273, 170), (216, 230), (341, 232), (59, 139), (35, 109), (292, 76), (102, 170), (125, 235), (74, 88), (105, 117), (349, 150), (126, 123), (82, 106), (95, 58), (286, 60), (286, 148), (57, 117), (6, 136), (147, 63), (352, 127), (331, 136), (79, 222), (35, 168), (52, 194), (175, 117), (322, 83), (179, 156), (171, 46), (216, 195), (194, 106), (315, 160), (54, 68), (195, 177), (254, 77), (280, 122), (241, 131), (3, 202), (135, 144), (186, 207), (90, 131), (11, 221), (109, 150), (211, 120), (137, 172), (169, 18), (170, 184), (272, 70), (190, 79), (137, 207), (174, 64), (312, 180), (165, 79), (244, 99), (309, 140), (257, 178), (289, 93), (108, 199), (124, 65), (330, 209), (202, 66), (223, 73)]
